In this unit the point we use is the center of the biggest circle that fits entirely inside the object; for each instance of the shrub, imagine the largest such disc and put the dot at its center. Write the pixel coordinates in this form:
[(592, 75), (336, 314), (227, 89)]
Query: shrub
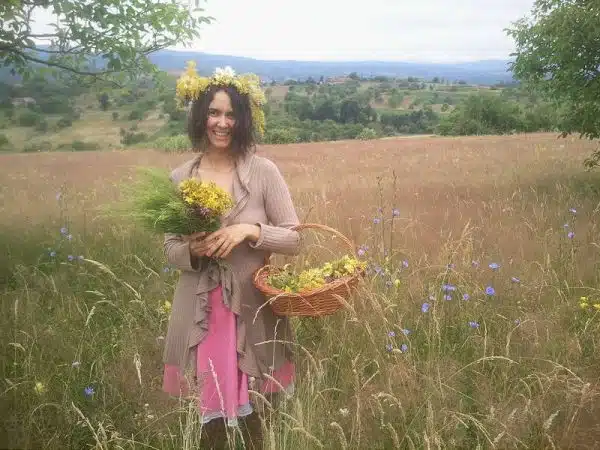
[(172, 143), (366, 134)]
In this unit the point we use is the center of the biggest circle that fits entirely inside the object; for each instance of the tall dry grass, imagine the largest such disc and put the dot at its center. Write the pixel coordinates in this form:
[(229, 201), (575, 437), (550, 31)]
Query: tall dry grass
[(423, 357)]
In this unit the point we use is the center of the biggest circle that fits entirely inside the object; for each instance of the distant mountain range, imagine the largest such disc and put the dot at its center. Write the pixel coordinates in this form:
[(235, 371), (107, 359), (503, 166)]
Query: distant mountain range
[(485, 72), (476, 72)]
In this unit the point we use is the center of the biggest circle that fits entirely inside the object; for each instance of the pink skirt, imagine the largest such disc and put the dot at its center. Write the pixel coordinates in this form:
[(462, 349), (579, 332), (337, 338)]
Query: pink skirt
[(224, 388)]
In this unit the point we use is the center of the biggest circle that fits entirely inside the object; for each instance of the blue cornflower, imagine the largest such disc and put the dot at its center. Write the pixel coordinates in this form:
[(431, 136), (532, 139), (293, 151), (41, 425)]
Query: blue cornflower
[(425, 307), (395, 212), (405, 263), (392, 334), (405, 331), (88, 391), (447, 297), (466, 296), (494, 266), (376, 220), (571, 235), (404, 348), (70, 257), (490, 290), (448, 287), (473, 324), (64, 230)]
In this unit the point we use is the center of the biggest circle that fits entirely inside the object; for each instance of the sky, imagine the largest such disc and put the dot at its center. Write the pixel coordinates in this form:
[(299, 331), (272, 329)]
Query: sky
[(349, 30)]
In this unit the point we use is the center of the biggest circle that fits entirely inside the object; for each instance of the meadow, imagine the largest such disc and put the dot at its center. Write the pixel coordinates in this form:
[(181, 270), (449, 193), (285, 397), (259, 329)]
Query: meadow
[(476, 327)]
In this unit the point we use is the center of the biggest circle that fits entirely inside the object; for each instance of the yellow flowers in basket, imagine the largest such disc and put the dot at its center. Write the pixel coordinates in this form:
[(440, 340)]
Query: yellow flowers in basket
[(315, 277), (315, 291)]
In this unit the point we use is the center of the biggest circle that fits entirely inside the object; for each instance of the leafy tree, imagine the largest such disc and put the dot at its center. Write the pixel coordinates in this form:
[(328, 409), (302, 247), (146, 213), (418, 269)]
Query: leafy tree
[(93, 39), (558, 54)]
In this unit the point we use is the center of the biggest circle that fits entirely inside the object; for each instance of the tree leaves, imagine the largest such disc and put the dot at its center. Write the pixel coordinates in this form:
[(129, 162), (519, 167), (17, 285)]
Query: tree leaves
[(99, 39), (558, 55)]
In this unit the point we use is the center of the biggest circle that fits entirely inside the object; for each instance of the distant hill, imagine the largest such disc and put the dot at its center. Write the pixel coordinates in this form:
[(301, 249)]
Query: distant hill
[(477, 72), (485, 72)]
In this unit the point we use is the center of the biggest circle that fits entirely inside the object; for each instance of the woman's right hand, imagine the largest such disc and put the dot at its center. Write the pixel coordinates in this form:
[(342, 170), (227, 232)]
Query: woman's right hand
[(195, 241)]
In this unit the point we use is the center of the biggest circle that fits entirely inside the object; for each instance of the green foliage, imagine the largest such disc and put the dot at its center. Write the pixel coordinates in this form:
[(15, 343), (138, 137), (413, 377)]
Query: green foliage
[(104, 39), (29, 118), (558, 55), (483, 114), (177, 143)]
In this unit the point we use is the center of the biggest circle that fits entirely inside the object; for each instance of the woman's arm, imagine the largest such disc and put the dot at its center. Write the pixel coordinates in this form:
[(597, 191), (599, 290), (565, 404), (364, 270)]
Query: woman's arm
[(276, 236), (177, 252)]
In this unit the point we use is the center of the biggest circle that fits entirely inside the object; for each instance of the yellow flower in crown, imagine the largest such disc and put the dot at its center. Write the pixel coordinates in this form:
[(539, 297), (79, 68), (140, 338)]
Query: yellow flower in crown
[(190, 86)]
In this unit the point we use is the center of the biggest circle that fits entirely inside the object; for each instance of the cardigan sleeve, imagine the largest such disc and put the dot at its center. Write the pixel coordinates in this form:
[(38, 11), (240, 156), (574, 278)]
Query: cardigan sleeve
[(276, 236), (177, 252)]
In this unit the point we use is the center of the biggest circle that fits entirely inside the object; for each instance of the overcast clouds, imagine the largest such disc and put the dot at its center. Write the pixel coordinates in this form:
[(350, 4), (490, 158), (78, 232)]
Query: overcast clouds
[(416, 30), (423, 30)]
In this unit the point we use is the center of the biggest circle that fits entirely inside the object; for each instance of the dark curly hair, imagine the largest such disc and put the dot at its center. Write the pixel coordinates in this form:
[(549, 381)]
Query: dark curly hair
[(243, 139)]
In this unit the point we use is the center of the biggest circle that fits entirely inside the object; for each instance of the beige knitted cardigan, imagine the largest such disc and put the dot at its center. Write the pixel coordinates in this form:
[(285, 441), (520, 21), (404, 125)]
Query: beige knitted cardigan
[(261, 197)]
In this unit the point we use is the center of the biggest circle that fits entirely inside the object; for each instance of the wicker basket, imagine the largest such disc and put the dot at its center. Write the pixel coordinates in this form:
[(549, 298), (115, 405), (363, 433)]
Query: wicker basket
[(314, 303)]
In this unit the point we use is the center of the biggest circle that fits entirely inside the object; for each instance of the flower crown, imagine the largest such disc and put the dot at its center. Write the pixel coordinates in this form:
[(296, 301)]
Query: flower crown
[(190, 86)]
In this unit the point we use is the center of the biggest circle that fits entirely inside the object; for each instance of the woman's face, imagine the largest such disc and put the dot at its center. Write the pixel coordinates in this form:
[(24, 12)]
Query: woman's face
[(220, 121)]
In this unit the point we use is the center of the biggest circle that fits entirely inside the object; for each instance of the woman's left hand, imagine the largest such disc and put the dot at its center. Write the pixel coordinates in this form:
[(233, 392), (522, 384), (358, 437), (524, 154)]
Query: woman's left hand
[(220, 243)]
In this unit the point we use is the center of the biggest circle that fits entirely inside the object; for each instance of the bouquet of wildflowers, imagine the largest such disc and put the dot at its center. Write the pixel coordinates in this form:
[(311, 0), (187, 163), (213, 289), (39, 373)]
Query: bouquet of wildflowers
[(161, 206)]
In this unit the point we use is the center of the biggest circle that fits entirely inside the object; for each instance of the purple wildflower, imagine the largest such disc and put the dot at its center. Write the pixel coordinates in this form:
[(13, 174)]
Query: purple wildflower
[(64, 231), (395, 212), (571, 235), (515, 280), (405, 263), (376, 220), (494, 266), (466, 297), (88, 391), (404, 348), (405, 331), (490, 290), (573, 211), (447, 297), (425, 307), (448, 287), (473, 324), (392, 334)]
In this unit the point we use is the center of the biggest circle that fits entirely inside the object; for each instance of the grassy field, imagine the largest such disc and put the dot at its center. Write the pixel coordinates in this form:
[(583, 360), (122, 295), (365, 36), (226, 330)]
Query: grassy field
[(476, 327)]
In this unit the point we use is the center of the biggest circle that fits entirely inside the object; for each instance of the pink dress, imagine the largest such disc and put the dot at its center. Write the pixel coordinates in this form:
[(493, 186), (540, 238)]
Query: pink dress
[(224, 388)]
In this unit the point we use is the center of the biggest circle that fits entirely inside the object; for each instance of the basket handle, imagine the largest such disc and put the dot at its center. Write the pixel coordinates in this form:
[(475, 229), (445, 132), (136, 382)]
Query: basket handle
[(318, 226)]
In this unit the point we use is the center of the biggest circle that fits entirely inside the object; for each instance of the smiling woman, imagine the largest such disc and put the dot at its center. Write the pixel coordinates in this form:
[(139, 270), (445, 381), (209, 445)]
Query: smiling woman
[(219, 338)]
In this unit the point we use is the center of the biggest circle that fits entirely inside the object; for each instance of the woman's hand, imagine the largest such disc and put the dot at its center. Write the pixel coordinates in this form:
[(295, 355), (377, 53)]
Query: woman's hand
[(220, 243), (196, 244)]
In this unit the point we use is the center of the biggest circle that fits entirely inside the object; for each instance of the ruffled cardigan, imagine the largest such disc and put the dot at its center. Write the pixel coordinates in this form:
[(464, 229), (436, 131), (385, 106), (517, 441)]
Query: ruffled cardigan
[(261, 197)]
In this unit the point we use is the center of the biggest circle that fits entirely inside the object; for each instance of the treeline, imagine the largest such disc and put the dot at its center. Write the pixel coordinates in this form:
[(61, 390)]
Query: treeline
[(310, 111)]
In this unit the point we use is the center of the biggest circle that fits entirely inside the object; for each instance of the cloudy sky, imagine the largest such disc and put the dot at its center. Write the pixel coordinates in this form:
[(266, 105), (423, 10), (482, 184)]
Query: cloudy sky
[(413, 30), (423, 30)]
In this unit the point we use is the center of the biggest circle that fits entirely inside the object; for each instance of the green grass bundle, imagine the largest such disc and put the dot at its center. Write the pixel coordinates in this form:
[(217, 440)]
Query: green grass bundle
[(159, 205)]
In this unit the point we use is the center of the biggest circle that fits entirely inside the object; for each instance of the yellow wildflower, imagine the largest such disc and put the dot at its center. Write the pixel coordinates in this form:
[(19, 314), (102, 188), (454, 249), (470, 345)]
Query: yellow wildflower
[(397, 283), (39, 387), (597, 305), (583, 305), (206, 195), (583, 299)]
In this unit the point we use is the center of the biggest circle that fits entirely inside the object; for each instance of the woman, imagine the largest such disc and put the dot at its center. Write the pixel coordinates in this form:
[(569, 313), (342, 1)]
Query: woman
[(221, 337)]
